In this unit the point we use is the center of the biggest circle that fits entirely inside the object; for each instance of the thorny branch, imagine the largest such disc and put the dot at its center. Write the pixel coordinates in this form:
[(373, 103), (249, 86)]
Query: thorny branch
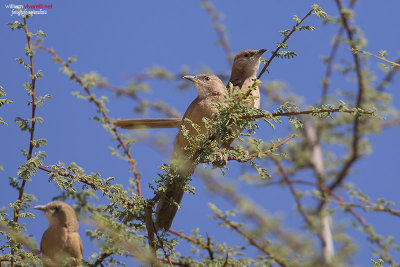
[(223, 40), (330, 60), (162, 247), (252, 241), (356, 131), (275, 53), (140, 100), (33, 123), (349, 209), (131, 161)]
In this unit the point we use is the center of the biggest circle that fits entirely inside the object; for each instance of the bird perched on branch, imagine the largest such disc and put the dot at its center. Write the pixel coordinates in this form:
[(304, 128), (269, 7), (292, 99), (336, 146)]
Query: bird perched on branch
[(244, 72), (61, 239), (210, 90)]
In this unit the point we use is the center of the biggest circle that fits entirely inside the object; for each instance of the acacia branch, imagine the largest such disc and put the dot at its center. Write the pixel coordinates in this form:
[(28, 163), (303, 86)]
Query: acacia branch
[(137, 98), (329, 68), (162, 246), (251, 240), (256, 155), (105, 190), (73, 76), (100, 259), (275, 53), (356, 131), (33, 123), (189, 238), (222, 39), (394, 64), (349, 209), (389, 76)]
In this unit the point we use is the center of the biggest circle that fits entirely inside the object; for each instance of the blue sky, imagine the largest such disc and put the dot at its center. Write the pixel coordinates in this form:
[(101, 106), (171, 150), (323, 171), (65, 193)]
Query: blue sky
[(120, 39)]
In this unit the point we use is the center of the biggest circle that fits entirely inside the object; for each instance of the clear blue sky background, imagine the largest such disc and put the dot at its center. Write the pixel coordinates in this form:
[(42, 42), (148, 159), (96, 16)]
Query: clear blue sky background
[(120, 38)]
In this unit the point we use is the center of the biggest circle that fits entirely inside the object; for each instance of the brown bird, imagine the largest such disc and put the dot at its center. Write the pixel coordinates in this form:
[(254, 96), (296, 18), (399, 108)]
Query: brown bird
[(61, 239), (210, 90), (244, 72)]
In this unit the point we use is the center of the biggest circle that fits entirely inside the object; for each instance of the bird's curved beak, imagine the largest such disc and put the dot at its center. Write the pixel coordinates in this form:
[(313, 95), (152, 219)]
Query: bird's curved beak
[(190, 78), (40, 207), (260, 52)]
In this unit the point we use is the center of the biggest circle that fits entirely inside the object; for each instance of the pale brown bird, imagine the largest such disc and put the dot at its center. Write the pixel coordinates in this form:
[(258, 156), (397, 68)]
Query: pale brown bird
[(61, 239), (210, 90), (244, 72)]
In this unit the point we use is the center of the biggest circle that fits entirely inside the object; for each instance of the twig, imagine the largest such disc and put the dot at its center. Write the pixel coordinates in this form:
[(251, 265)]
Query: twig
[(255, 155), (250, 239), (100, 259), (210, 252), (356, 132), (104, 190), (223, 40), (150, 229), (293, 113), (394, 64), (32, 130), (335, 46), (188, 238), (162, 246), (141, 101), (389, 76), (328, 73), (284, 41), (131, 161), (349, 209), (300, 207), (226, 259), (177, 263)]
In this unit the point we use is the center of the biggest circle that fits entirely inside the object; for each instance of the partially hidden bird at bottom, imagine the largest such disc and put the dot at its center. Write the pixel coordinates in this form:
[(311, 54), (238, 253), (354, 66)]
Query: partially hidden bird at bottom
[(61, 239)]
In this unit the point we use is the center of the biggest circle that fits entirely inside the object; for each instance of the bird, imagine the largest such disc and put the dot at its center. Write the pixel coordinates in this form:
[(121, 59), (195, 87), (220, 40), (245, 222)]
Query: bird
[(61, 239), (210, 90), (244, 71)]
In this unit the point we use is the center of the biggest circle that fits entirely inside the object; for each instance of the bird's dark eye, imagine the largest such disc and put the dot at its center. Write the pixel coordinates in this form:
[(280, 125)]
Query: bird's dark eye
[(207, 78), (246, 55), (56, 208)]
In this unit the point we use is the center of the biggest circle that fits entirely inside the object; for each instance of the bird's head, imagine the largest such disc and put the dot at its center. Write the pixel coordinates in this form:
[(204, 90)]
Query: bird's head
[(59, 213), (207, 84), (247, 62)]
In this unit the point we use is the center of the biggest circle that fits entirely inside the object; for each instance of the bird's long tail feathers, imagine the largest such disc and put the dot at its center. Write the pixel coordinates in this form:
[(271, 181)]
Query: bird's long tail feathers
[(169, 205), (148, 123)]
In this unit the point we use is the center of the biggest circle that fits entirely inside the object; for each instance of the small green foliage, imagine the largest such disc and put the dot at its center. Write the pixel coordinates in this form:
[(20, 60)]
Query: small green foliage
[(20, 61), (306, 28), (3, 101), (16, 25), (282, 45), (286, 54), (379, 263), (383, 53), (297, 19), (318, 11), (285, 32)]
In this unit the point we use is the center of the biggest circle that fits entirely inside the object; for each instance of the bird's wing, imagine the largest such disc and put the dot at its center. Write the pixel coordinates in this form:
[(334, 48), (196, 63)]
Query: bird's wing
[(148, 123)]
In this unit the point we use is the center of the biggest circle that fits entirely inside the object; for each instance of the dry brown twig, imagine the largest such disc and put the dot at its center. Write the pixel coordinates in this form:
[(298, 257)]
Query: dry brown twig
[(125, 148)]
